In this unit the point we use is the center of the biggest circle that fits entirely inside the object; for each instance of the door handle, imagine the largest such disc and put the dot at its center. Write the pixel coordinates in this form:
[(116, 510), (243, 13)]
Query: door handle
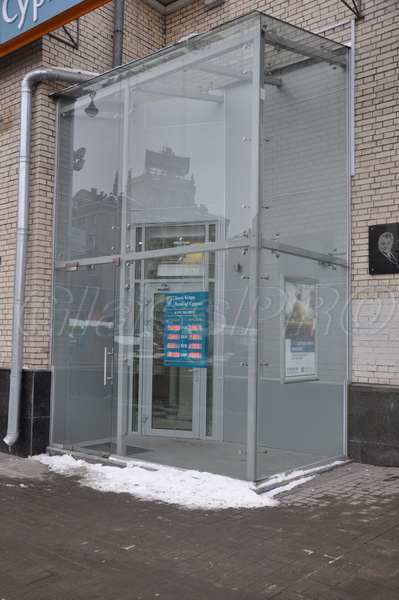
[(195, 372), (110, 378)]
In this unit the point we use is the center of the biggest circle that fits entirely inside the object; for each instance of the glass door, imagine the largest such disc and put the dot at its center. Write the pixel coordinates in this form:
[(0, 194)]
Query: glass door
[(83, 357), (173, 394)]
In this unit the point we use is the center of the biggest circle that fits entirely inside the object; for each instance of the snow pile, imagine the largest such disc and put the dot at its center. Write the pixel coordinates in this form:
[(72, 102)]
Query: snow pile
[(190, 489)]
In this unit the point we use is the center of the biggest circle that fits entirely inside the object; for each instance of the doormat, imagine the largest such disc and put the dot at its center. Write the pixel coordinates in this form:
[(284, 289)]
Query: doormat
[(136, 450), (111, 449)]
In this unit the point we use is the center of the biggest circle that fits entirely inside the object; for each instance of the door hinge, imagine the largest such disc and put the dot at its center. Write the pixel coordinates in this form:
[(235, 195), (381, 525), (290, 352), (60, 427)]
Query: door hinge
[(73, 266)]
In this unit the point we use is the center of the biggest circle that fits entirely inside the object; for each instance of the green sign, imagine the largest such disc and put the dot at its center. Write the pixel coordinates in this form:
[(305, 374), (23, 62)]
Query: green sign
[(186, 329)]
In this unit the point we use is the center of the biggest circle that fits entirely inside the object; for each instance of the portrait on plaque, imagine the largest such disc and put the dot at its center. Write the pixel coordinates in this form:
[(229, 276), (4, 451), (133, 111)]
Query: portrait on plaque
[(383, 249)]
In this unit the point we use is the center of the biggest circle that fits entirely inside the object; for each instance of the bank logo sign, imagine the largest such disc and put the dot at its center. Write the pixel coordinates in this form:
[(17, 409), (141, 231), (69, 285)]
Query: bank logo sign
[(22, 21)]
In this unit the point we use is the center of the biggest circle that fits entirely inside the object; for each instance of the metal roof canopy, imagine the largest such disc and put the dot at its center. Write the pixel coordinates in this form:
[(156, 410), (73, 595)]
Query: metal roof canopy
[(214, 59)]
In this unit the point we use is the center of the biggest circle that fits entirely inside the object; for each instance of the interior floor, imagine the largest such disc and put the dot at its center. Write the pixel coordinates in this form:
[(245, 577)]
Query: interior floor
[(221, 458)]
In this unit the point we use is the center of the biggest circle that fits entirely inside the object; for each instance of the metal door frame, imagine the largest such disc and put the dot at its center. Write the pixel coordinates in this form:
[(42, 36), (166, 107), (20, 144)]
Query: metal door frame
[(146, 367)]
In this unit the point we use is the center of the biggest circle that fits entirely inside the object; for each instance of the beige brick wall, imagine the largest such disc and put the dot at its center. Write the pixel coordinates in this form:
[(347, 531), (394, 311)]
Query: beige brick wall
[(12, 68), (375, 312), (311, 15)]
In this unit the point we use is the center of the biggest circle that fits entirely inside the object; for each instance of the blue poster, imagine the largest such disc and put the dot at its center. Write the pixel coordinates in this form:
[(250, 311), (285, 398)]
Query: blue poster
[(186, 329)]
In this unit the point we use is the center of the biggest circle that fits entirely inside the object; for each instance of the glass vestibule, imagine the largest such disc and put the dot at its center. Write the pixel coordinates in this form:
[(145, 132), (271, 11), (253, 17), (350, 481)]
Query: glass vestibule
[(213, 173)]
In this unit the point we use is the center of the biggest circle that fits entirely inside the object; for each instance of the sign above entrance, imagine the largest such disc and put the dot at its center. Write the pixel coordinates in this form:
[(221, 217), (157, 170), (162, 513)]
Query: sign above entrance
[(186, 329), (23, 21)]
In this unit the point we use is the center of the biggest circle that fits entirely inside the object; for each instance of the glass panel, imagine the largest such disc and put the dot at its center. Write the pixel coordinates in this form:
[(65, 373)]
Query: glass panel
[(172, 387), (89, 186), (83, 330), (210, 46), (302, 346), (191, 130), (303, 363), (185, 265), (304, 181), (294, 45), (232, 328)]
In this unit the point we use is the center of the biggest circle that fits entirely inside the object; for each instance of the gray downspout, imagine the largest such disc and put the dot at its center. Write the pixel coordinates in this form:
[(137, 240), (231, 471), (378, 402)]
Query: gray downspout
[(118, 33), (37, 75)]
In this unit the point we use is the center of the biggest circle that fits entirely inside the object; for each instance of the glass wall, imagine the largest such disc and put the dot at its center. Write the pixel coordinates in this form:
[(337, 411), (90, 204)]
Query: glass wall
[(198, 190), (302, 363), (302, 330)]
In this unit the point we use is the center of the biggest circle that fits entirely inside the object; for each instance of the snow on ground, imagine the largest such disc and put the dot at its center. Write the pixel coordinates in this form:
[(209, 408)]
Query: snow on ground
[(158, 483)]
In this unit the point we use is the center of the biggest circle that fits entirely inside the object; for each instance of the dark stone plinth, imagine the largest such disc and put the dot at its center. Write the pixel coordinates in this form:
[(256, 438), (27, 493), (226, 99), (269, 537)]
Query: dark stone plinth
[(373, 425), (35, 412)]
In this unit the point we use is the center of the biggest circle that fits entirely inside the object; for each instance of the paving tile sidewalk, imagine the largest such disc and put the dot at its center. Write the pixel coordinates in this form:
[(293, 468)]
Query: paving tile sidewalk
[(333, 538)]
